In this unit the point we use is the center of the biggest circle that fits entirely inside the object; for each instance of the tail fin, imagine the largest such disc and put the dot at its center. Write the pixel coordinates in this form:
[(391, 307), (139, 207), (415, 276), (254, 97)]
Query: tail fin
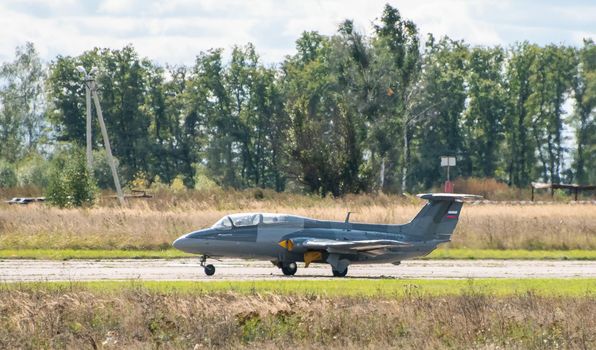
[(438, 218)]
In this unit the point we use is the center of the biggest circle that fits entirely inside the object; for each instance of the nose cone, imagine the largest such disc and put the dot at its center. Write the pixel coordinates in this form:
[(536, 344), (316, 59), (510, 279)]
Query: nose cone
[(182, 244)]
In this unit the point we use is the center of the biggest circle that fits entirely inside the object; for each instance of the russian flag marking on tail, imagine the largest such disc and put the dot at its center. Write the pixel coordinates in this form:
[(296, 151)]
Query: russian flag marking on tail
[(452, 214)]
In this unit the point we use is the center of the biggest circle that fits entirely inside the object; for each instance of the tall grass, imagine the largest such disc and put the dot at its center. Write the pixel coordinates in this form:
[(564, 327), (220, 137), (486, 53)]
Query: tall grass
[(155, 224), (136, 317), (452, 253), (487, 187)]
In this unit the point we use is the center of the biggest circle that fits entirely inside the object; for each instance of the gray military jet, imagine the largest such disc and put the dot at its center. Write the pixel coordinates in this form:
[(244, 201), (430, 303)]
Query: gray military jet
[(287, 239)]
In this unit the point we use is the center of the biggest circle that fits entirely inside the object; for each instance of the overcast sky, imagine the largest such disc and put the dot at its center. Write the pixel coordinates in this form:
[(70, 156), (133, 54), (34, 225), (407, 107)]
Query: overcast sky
[(175, 31)]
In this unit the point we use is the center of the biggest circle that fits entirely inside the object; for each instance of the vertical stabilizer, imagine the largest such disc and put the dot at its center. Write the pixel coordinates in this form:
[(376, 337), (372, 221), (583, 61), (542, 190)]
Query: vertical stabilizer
[(438, 218)]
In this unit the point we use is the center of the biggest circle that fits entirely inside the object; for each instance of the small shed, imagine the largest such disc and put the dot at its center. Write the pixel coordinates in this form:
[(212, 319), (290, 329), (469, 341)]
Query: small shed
[(572, 187)]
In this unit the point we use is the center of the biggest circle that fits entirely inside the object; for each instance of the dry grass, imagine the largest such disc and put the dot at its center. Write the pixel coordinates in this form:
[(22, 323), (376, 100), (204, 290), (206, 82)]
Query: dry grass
[(557, 226), (154, 224), (75, 317), (487, 187)]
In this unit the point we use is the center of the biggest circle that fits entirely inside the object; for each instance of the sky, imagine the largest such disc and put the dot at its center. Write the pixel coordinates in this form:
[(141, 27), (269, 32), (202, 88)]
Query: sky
[(175, 31)]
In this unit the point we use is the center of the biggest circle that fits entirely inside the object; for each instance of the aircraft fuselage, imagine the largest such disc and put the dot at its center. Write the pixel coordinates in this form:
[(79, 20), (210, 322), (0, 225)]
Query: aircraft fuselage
[(261, 241), (286, 239)]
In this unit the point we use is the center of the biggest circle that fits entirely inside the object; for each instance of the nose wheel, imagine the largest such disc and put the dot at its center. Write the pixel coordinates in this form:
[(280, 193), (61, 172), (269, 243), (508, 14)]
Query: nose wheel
[(209, 269), (289, 269)]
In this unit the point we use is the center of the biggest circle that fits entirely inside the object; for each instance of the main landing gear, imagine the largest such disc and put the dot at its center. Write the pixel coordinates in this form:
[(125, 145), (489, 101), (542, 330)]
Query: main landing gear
[(209, 269), (290, 269), (337, 273)]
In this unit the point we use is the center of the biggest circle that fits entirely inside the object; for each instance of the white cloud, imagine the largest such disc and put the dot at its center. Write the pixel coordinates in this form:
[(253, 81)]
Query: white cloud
[(117, 6), (175, 31), (457, 20)]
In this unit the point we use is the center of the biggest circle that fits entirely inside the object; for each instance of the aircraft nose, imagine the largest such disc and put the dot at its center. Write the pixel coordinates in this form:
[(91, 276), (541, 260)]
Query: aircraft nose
[(181, 243)]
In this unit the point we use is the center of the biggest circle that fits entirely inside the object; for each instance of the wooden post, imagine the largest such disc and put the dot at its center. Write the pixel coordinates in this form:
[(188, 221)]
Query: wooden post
[(88, 125), (106, 143)]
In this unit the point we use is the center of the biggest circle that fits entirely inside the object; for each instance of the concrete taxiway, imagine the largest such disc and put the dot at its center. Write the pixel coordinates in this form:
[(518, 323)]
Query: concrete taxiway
[(234, 269)]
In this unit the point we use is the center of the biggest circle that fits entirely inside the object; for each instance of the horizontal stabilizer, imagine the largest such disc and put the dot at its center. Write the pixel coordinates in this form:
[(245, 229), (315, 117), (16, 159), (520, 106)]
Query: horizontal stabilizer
[(448, 196)]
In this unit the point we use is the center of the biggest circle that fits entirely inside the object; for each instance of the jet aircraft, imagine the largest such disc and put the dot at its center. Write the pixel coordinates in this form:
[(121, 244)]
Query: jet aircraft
[(287, 239)]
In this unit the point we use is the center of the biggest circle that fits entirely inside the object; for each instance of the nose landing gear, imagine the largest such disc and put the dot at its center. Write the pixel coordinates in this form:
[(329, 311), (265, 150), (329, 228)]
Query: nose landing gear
[(289, 269), (209, 269)]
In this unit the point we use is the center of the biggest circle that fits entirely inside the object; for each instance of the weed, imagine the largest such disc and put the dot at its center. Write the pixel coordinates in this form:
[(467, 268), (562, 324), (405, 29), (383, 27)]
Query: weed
[(146, 317)]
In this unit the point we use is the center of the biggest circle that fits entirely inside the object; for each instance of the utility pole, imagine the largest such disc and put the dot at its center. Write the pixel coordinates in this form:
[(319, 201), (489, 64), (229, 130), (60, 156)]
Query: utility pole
[(91, 91), (89, 136)]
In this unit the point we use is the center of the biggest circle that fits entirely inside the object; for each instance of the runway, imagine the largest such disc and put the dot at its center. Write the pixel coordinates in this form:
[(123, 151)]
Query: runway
[(233, 269)]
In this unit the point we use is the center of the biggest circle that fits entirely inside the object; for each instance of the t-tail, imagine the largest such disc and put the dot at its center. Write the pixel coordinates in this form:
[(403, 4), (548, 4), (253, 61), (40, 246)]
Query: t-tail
[(438, 218)]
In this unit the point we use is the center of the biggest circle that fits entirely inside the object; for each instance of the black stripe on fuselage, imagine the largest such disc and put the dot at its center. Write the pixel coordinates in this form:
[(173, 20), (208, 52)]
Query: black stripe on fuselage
[(237, 234)]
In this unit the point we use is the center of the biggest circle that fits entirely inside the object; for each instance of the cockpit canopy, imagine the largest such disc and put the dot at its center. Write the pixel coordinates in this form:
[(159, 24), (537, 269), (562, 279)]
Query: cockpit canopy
[(251, 219)]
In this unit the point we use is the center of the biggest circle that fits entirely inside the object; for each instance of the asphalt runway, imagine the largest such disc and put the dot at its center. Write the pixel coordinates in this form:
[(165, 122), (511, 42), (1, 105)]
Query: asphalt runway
[(234, 269)]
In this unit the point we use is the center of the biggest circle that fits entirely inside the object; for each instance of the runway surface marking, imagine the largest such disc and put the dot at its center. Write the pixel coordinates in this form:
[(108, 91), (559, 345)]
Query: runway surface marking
[(234, 269)]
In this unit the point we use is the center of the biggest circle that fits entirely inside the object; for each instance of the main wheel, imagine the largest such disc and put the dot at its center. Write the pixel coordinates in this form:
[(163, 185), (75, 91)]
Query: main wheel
[(340, 274), (209, 270), (289, 269)]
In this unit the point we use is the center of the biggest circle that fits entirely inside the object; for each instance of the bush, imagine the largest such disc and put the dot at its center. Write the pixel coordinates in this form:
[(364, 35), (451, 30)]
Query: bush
[(8, 177), (140, 181), (178, 184), (70, 184), (202, 181)]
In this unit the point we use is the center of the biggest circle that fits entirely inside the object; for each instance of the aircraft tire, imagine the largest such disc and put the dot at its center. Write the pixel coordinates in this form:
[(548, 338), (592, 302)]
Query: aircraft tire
[(289, 269), (209, 270), (340, 274)]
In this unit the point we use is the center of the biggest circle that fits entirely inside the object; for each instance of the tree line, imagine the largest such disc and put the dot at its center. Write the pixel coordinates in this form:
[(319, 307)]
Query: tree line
[(345, 113)]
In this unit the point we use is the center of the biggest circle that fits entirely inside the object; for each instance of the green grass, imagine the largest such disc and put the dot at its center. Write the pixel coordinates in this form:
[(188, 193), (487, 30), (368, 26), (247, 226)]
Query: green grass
[(344, 287), (66, 254), (522, 254)]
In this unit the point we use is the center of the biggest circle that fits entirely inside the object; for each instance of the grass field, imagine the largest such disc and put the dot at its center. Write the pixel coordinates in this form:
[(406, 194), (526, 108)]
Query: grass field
[(149, 226), (352, 314), (381, 288), (467, 254)]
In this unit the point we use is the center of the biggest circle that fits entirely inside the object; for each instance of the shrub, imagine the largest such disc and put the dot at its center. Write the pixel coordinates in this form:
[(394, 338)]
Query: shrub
[(140, 181), (178, 184), (202, 181), (70, 184)]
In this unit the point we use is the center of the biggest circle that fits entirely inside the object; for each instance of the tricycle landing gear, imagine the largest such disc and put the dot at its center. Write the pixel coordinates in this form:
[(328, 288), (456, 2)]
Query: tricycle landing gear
[(209, 269)]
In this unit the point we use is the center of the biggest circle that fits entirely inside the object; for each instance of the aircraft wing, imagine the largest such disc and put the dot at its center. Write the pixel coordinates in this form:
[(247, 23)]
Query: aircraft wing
[(372, 246)]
